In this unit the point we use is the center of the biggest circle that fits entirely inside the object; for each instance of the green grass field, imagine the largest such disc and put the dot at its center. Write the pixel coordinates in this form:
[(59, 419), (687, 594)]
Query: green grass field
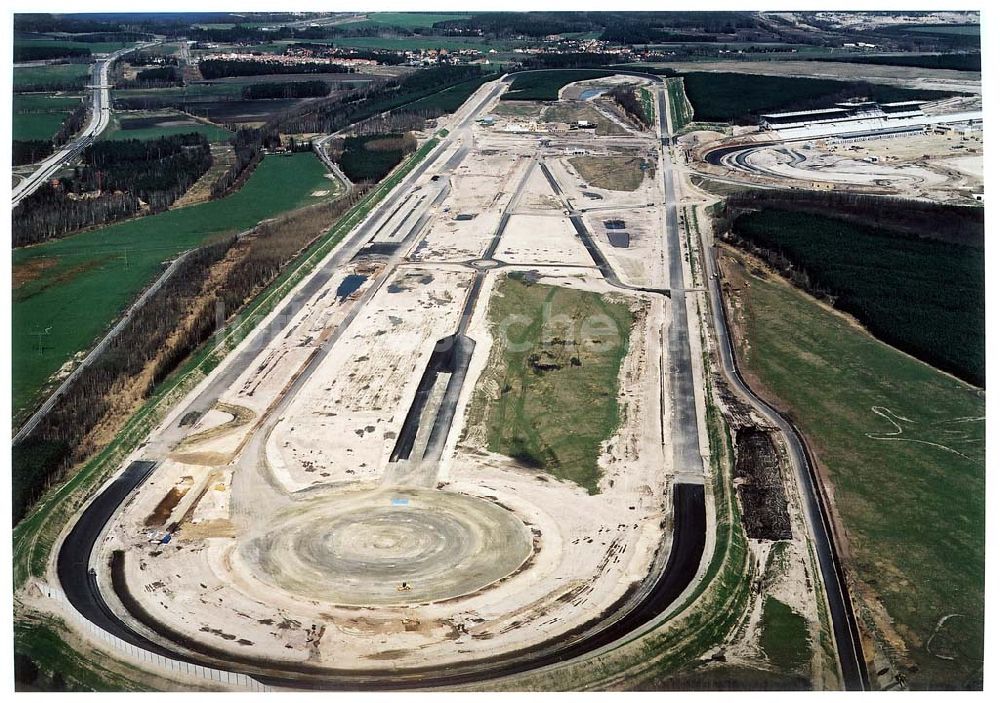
[(36, 125), (211, 132), (65, 76), (409, 19), (558, 391), (56, 276), (38, 116), (784, 636), (903, 447), (680, 111)]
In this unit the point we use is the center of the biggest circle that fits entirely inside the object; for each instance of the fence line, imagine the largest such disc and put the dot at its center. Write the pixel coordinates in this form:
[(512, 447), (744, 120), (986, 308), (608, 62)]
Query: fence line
[(138, 653)]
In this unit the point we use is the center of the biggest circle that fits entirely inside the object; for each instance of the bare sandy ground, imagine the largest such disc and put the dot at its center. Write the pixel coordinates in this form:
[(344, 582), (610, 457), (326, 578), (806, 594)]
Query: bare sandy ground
[(297, 539)]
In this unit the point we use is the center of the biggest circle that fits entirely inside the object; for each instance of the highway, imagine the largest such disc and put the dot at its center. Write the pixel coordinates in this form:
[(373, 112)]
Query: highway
[(100, 117)]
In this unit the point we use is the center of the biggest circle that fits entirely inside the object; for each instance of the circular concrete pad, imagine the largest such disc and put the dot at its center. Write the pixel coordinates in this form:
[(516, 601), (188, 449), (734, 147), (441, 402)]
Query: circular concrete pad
[(360, 548)]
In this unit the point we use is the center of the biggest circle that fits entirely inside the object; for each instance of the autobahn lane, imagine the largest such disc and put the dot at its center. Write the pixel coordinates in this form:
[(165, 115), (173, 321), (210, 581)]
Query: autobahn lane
[(99, 119)]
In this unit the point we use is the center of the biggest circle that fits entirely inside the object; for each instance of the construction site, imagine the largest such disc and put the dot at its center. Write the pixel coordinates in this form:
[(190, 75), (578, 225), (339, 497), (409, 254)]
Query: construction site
[(472, 443)]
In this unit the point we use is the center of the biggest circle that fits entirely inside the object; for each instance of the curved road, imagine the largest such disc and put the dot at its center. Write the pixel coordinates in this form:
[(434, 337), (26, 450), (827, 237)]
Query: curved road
[(845, 627)]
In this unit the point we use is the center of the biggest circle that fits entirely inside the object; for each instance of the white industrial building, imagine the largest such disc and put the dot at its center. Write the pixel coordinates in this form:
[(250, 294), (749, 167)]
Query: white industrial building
[(860, 119)]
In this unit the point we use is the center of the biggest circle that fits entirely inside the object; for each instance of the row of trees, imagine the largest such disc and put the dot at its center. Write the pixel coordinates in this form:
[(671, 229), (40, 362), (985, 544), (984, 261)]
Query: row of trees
[(298, 89), (174, 321), (49, 212), (212, 69), (249, 145), (71, 125), (627, 101), (30, 151)]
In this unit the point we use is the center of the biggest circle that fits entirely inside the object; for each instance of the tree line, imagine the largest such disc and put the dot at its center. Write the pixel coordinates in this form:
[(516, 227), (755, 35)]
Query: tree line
[(249, 144), (35, 52), (71, 125), (112, 184), (212, 69), (298, 89), (170, 325)]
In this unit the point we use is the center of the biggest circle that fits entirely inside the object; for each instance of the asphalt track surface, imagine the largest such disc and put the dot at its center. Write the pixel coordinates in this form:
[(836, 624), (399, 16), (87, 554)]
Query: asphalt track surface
[(845, 627)]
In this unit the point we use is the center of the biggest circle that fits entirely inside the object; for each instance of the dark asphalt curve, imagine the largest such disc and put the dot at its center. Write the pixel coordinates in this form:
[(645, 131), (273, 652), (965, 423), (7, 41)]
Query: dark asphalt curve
[(83, 592)]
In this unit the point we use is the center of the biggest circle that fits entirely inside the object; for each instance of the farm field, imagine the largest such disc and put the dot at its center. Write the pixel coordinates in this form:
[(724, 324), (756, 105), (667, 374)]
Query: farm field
[(740, 97), (50, 279), (923, 296), (901, 445), (55, 76), (558, 401), (38, 116), (409, 19)]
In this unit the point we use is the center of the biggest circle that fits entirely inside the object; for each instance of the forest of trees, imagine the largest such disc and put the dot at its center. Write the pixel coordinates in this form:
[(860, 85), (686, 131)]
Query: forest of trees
[(369, 158), (298, 89), (335, 113), (125, 173), (912, 280), (157, 170), (29, 151), (212, 69)]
